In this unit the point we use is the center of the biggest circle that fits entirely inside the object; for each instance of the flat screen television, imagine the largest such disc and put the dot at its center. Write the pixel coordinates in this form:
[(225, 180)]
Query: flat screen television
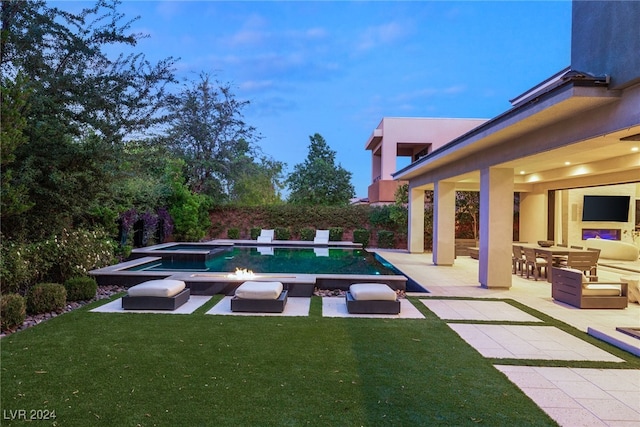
[(606, 208)]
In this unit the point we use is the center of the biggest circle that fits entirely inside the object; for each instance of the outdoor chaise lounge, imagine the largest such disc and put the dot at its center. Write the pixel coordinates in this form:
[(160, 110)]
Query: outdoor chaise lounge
[(372, 298), (572, 287), (266, 236), (322, 237), (259, 297), (162, 294)]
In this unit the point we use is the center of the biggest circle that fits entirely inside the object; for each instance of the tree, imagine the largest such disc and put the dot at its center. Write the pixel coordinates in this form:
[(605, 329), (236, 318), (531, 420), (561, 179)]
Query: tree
[(14, 197), (256, 184), (468, 214), (81, 105), (76, 84), (319, 181), (207, 130)]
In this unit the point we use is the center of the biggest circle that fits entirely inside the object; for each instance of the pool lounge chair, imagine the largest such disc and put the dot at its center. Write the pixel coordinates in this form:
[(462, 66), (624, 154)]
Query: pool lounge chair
[(266, 236), (259, 297), (162, 294), (372, 298), (322, 237)]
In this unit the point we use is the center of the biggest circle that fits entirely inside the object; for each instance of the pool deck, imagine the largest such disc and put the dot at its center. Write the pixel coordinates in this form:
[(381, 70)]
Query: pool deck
[(461, 280)]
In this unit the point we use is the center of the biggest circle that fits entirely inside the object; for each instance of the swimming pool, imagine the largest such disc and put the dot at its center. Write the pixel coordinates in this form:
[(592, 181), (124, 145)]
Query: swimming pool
[(207, 268), (269, 259)]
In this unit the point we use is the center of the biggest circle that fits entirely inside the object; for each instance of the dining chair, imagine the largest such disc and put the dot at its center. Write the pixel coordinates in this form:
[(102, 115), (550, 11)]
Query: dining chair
[(576, 247), (534, 263), (560, 260), (517, 260), (586, 261)]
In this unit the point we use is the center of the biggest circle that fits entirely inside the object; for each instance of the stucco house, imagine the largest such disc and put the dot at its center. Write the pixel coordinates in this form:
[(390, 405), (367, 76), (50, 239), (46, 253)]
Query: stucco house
[(412, 137), (577, 133)]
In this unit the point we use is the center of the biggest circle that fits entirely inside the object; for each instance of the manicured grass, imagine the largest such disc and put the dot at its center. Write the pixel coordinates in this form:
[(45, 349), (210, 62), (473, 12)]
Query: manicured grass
[(168, 370)]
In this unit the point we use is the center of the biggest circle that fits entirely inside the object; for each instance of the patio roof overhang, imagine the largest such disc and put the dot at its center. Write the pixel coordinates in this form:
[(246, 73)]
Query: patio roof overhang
[(574, 127)]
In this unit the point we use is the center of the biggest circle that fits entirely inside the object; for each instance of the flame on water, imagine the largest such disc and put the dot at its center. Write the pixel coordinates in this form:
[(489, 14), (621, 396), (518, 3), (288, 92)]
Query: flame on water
[(242, 273)]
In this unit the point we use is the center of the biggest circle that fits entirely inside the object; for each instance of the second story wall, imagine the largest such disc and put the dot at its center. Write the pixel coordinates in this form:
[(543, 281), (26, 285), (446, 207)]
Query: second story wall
[(605, 40)]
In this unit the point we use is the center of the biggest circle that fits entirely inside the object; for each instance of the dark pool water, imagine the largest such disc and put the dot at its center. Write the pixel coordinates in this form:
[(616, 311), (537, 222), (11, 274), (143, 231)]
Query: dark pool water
[(282, 260)]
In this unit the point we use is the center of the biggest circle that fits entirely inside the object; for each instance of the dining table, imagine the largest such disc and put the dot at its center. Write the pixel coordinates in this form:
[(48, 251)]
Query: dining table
[(548, 252)]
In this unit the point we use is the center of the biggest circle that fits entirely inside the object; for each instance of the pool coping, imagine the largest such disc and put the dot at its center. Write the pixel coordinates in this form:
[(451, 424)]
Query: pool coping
[(222, 245)]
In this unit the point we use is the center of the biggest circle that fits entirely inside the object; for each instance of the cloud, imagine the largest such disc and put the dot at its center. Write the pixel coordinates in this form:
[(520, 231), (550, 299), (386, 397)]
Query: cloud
[(255, 32), (385, 34), (248, 38), (169, 9), (454, 90), (256, 85), (272, 106), (316, 33)]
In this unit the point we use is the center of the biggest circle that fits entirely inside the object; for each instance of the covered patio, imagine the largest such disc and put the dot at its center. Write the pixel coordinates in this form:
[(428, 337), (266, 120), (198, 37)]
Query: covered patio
[(578, 129)]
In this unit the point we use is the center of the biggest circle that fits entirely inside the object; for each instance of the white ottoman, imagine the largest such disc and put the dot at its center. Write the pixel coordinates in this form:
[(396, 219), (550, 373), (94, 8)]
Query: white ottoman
[(372, 298), (259, 297), (163, 294)]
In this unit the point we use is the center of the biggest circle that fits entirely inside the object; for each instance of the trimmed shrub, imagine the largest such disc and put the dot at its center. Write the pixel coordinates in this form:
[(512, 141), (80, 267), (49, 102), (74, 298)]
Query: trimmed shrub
[(361, 235), (13, 310), (386, 239), (254, 233), (282, 233), (80, 288), (46, 297), (307, 234), (335, 234), (233, 233)]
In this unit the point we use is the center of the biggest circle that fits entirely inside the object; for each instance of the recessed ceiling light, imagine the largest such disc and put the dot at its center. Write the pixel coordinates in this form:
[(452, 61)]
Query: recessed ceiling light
[(634, 149), (567, 163), (521, 172)]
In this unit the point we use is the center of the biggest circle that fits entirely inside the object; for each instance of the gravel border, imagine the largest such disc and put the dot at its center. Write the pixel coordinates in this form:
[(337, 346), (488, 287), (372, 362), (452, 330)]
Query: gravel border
[(103, 292)]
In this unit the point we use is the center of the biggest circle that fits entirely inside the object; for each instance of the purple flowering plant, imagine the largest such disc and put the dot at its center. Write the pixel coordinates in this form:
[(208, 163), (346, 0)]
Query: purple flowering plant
[(167, 221), (128, 218)]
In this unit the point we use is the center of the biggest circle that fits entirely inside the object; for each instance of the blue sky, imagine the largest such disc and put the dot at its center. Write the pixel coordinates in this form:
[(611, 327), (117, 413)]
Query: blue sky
[(338, 68)]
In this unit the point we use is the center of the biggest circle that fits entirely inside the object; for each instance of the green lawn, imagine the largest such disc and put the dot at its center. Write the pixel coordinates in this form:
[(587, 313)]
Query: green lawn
[(196, 370)]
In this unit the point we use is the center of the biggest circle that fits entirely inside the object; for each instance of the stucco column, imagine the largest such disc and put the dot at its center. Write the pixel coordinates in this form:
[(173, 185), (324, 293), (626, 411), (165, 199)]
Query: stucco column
[(388, 158), (444, 223), (416, 220), (496, 227)]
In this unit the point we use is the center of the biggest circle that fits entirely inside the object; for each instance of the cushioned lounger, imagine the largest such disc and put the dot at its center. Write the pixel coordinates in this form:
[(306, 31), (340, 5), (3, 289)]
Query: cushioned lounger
[(372, 298), (259, 297), (156, 295)]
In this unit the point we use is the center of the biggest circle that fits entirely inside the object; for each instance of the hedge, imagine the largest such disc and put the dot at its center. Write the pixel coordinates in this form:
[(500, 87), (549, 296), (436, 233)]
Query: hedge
[(12, 311), (46, 297), (81, 288)]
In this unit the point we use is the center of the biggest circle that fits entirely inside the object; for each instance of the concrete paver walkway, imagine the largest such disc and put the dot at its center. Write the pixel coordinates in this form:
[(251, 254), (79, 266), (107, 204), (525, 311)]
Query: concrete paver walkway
[(571, 396), (580, 396)]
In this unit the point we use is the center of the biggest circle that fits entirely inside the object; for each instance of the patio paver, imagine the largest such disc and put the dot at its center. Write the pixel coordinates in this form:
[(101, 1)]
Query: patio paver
[(581, 396), (529, 342), (337, 307), (295, 307), (115, 306), (477, 310)]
